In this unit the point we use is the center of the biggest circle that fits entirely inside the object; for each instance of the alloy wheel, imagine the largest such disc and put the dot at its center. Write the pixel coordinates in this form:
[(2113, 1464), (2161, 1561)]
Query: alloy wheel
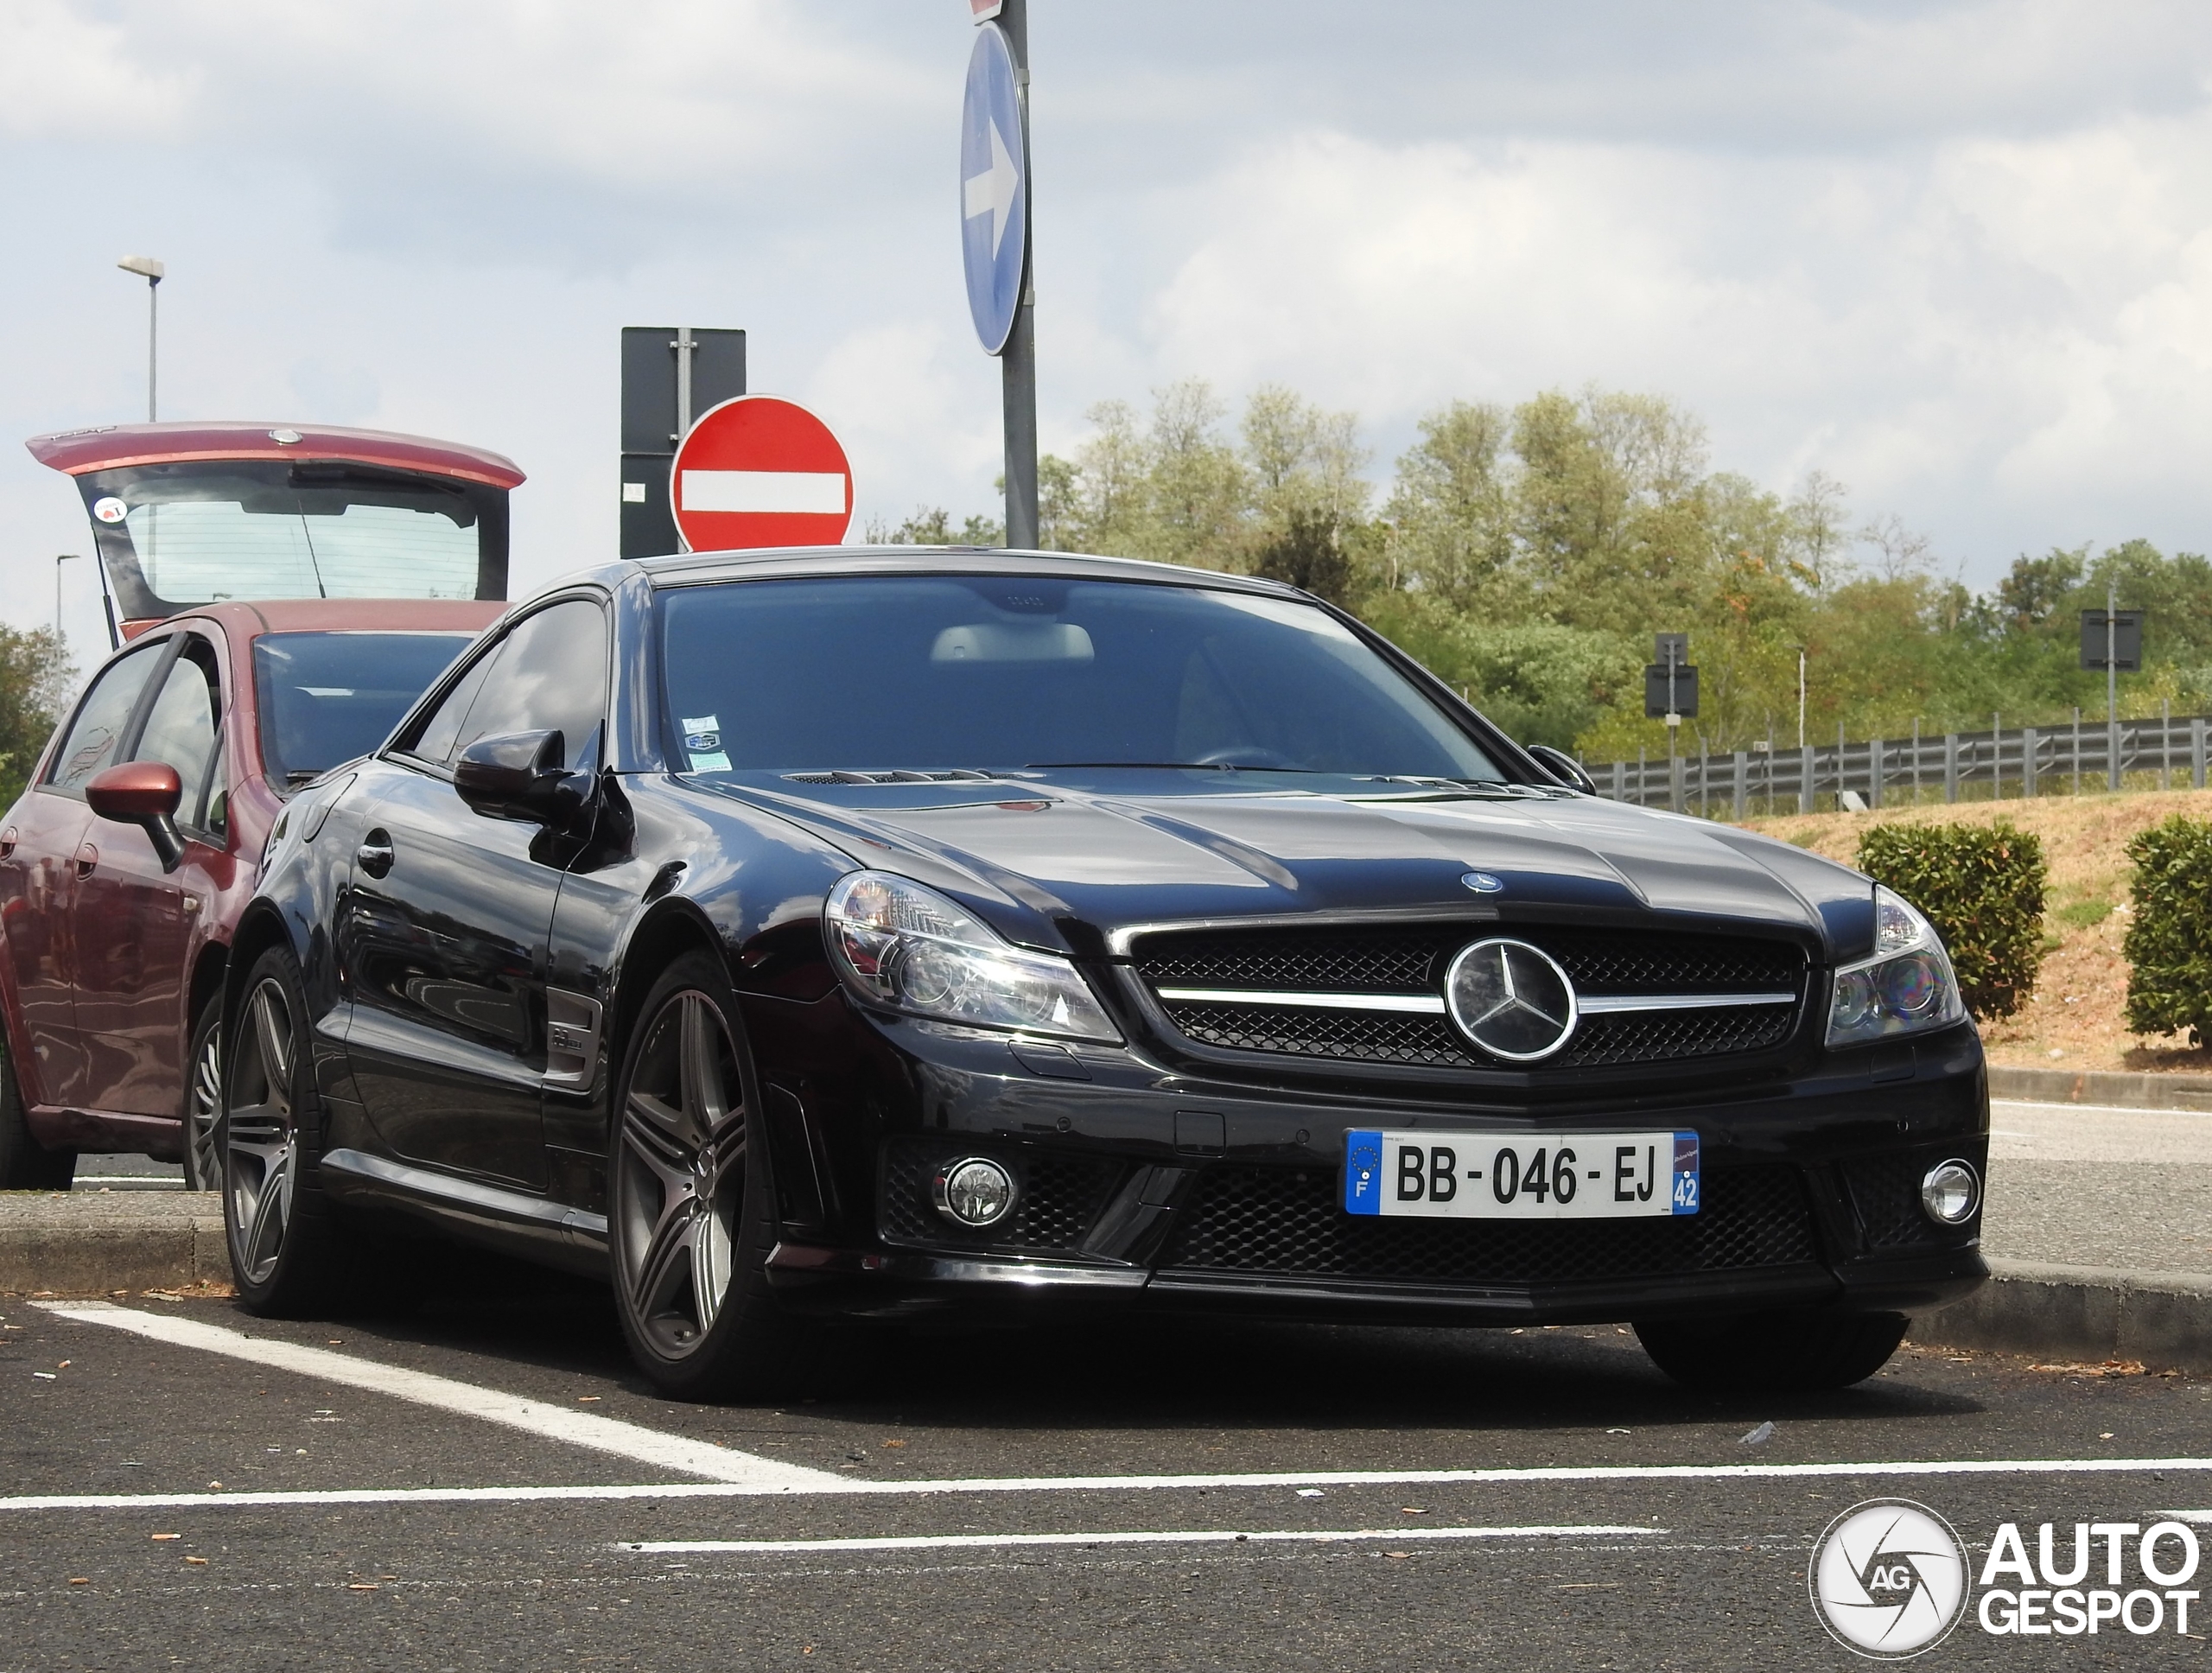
[(260, 1139), (680, 1181), (204, 1106)]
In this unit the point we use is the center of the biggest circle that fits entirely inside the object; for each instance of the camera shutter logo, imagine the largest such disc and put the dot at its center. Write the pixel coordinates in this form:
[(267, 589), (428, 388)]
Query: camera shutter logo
[(1888, 1578)]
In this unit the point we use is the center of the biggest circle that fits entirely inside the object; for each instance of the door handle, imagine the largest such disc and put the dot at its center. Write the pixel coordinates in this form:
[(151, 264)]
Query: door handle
[(375, 854), (88, 857)]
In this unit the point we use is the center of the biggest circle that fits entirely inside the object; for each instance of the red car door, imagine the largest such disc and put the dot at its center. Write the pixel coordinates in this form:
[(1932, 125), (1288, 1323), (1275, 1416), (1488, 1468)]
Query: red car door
[(44, 844), (133, 918)]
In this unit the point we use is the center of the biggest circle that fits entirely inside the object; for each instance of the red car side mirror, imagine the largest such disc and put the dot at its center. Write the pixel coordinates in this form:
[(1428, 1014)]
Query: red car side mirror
[(145, 794)]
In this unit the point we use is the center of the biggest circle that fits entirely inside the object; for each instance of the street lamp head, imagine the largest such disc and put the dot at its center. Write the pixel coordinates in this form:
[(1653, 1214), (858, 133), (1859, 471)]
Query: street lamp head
[(146, 267)]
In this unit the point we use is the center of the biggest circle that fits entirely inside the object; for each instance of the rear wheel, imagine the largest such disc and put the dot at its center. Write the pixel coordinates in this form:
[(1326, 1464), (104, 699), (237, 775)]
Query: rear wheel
[(690, 1223), (25, 1164), (286, 1244), (1803, 1351), (203, 1100)]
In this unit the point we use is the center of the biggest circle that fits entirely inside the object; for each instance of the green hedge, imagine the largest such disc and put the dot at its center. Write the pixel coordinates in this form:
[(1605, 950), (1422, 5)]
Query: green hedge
[(2169, 944), (1982, 886)]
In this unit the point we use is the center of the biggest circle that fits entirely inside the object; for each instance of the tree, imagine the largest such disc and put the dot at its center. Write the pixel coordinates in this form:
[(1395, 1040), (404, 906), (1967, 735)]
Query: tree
[(1305, 554), (2035, 589), (1525, 554), (36, 679), (931, 525), (1450, 513)]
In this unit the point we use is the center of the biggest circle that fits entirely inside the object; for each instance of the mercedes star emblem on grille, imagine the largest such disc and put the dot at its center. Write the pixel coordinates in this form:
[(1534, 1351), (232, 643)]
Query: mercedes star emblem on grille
[(1511, 999)]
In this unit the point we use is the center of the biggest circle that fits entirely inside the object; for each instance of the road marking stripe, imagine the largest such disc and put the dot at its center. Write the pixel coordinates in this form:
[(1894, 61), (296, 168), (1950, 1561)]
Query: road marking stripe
[(2047, 1105), (744, 1471), (1183, 1536), (839, 1485)]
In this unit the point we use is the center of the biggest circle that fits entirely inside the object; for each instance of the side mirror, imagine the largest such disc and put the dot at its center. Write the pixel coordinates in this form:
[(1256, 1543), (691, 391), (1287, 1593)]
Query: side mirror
[(1562, 766), (519, 776), (145, 794)]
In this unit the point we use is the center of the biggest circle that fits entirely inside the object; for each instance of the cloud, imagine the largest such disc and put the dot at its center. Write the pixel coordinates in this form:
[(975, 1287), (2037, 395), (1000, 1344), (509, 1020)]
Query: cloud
[(2000, 334), (1959, 255), (64, 74)]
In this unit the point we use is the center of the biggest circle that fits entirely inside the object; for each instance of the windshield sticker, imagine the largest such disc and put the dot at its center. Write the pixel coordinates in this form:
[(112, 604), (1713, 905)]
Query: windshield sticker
[(711, 760), (702, 735)]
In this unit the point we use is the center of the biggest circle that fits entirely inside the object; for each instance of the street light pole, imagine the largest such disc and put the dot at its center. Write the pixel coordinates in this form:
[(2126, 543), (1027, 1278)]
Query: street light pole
[(61, 559), (153, 273)]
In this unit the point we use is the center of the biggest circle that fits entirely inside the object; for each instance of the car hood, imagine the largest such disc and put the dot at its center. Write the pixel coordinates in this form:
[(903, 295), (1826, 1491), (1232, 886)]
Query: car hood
[(1044, 862)]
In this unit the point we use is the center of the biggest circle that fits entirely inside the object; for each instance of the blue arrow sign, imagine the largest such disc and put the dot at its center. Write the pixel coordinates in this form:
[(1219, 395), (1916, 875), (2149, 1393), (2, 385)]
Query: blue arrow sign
[(994, 189)]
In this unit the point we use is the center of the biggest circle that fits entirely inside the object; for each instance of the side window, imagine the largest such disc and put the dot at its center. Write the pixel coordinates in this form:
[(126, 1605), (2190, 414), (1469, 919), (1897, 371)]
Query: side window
[(434, 738), (180, 725), (95, 733), (549, 676)]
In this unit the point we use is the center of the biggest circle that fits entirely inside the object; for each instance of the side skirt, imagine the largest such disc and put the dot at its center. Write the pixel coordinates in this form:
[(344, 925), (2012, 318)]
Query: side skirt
[(105, 1132), (535, 1228)]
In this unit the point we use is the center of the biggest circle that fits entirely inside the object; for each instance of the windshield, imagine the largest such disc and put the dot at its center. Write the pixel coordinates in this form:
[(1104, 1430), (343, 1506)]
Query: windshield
[(197, 531), (938, 673), (326, 698)]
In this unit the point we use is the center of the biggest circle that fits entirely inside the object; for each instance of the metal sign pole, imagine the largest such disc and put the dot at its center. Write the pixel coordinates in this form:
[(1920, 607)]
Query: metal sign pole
[(1018, 361), (2112, 681), (684, 343)]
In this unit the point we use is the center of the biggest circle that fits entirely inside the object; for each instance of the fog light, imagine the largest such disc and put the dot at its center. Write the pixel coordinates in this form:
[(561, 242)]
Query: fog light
[(973, 1191), (1950, 1192)]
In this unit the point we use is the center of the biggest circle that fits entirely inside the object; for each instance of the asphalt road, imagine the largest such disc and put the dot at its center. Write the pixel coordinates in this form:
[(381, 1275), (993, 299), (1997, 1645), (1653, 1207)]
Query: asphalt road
[(1661, 1564)]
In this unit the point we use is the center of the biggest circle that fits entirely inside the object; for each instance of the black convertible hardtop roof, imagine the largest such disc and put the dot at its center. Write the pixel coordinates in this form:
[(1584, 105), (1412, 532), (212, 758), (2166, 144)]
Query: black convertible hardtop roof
[(695, 568)]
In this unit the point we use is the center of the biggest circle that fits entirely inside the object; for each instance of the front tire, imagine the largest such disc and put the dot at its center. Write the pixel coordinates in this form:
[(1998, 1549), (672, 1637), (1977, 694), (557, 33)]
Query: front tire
[(1793, 1351), (690, 1221), (203, 1100), (25, 1164), (286, 1244)]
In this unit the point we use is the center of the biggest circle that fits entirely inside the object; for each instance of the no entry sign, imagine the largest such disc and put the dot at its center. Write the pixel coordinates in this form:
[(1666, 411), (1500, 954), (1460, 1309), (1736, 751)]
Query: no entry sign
[(760, 471)]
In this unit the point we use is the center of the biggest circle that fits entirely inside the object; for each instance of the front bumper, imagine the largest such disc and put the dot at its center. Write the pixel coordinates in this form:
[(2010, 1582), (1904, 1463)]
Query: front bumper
[(1146, 1188)]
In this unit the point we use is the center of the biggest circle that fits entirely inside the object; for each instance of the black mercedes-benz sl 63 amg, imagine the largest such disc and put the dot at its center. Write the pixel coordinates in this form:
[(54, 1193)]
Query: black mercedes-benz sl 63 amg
[(794, 935)]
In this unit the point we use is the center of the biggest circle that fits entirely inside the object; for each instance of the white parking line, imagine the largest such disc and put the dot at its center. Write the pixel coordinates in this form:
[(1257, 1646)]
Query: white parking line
[(1179, 1537), (744, 1471), (2043, 1106), (1534, 1476), (728, 1473)]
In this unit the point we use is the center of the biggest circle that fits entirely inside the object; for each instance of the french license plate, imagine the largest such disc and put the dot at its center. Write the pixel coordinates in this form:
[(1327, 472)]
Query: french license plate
[(1558, 1176)]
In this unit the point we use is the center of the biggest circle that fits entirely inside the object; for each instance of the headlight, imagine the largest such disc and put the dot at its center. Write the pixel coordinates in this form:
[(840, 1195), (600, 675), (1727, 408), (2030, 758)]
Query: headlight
[(1906, 988), (896, 943)]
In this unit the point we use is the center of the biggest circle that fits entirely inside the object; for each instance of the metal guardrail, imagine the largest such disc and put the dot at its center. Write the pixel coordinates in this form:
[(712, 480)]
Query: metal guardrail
[(2028, 760)]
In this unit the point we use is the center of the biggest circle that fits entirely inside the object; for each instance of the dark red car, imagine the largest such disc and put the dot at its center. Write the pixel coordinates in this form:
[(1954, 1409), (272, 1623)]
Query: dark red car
[(124, 865)]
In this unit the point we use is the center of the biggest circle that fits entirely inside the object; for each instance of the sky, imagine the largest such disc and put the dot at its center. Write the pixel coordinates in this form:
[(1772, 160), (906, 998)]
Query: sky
[(1957, 256)]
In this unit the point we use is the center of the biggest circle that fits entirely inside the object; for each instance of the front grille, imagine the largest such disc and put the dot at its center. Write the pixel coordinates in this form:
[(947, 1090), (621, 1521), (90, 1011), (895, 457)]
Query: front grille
[(1357, 1036), (1885, 1190), (1287, 1222), (1321, 961), (1414, 960), (1399, 1037), (1061, 1195)]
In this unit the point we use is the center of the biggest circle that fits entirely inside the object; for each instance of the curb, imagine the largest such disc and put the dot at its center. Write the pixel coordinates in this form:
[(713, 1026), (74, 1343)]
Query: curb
[(2140, 1091), (86, 1244), (2081, 1313)]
